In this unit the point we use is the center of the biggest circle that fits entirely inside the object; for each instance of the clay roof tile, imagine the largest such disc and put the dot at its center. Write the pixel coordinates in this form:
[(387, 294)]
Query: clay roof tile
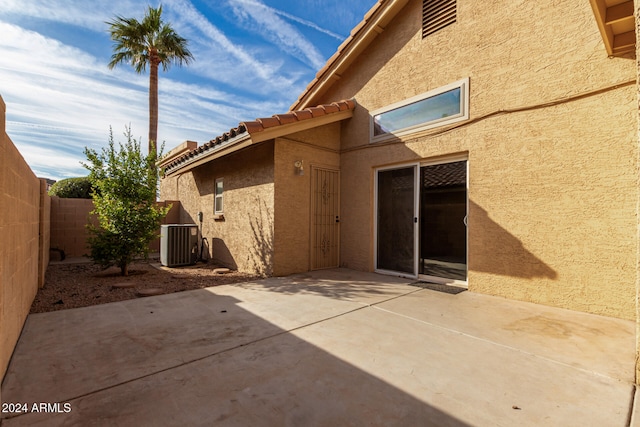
[(286, 118), (252, 126), (269, 122), (330, 108), (316, 111), (261, 124), (303, 114)]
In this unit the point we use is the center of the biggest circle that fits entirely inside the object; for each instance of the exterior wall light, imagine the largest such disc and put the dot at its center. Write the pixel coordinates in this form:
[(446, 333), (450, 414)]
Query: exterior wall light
[(299, 167)]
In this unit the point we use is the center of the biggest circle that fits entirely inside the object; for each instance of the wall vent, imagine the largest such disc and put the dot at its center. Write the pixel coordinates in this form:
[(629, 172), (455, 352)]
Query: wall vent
[(437, 14), (178, 244)]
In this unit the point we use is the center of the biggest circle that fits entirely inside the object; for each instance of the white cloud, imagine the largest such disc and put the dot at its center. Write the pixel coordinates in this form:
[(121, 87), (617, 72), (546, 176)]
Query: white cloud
[(61, 98), (66, 98), (218, 46), (81, 13), (268, 23)]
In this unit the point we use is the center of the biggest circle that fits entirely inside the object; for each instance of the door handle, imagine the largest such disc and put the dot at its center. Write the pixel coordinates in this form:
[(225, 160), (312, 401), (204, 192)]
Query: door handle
[(337, 218), (465, 221)]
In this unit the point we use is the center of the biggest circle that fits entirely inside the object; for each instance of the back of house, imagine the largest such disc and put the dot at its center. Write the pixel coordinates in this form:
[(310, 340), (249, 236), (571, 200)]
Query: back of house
[(487, 144)]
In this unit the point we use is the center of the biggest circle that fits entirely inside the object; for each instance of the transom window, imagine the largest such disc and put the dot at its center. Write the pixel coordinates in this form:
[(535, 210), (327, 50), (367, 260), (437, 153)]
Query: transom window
[(439, 107)]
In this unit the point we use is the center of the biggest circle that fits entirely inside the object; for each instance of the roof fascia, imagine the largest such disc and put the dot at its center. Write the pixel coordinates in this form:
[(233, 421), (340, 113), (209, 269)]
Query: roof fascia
[(246, 139), (231, 146), (282, 130)]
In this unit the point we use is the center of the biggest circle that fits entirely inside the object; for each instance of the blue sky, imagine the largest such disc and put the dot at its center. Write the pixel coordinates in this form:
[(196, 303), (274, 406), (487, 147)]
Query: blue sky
[(252, 59)]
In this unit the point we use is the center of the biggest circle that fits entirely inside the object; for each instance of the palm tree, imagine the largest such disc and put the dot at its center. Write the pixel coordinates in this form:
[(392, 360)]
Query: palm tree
[(153, 42)]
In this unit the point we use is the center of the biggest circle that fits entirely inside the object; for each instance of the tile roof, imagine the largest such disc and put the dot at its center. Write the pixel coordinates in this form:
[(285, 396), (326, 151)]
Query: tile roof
[(250, 128)]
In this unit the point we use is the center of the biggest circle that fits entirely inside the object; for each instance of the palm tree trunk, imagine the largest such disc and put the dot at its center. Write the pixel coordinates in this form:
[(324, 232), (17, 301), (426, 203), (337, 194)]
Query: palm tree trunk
[(153, 100)]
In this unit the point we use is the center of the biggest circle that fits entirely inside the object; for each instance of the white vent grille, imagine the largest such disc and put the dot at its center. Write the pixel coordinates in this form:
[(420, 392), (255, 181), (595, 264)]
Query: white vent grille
[(178, 244), (437, 14)]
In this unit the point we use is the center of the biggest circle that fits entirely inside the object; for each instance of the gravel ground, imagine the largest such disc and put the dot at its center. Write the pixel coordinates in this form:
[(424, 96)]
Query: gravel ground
[(70, 285)]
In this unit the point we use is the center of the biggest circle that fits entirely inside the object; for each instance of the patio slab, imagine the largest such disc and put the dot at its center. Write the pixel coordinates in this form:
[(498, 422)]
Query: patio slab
[(334, 347)]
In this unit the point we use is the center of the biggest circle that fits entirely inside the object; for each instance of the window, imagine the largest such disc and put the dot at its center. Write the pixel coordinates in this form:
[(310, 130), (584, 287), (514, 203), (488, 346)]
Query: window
[(217, 203), (439, 107), (437, 14)]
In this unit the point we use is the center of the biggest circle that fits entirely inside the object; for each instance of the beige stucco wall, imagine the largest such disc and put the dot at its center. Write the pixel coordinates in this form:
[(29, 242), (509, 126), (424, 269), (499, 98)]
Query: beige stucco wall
[(243, 240), (552, 188), (21, 262), (637, 23), (316, 148)]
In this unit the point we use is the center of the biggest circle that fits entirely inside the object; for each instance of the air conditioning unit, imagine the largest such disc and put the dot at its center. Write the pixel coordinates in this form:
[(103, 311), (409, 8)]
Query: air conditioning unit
[(178, 244)]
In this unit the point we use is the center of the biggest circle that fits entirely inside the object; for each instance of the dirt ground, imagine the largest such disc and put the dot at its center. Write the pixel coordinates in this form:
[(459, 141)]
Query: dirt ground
[(85, 284)]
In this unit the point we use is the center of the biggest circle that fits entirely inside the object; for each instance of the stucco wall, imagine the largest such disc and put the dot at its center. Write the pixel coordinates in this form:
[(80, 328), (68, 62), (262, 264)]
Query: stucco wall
[(243, 240), (552, 186), (316, 148), (22, 260)]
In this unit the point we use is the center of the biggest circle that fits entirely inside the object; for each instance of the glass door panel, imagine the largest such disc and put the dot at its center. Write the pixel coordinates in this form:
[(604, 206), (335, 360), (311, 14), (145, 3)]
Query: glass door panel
[(396, 198), (443, 218)]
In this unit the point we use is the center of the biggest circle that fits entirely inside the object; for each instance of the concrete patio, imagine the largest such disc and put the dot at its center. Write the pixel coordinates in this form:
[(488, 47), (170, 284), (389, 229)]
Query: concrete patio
[(328, 348)]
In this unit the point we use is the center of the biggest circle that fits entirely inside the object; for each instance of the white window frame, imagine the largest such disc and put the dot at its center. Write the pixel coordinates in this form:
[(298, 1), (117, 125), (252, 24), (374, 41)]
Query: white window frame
[(217, 196), (463, 85)]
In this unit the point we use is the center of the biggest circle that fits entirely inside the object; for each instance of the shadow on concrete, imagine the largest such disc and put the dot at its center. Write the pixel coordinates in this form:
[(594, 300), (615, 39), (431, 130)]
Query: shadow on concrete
[(336, 283), (194, 358)]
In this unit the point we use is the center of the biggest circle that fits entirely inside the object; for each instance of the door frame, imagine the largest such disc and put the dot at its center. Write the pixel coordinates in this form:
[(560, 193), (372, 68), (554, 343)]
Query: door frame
[(416, 206), (444, 280), (312, 169), (416, 211)]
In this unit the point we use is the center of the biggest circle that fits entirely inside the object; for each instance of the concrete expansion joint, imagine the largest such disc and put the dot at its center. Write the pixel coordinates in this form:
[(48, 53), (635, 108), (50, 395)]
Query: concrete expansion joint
[(245, 344), (404, 294)]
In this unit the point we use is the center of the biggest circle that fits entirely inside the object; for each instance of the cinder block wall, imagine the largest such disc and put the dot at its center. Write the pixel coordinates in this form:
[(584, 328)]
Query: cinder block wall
[(22, 255), (45, 232), (69, 219)]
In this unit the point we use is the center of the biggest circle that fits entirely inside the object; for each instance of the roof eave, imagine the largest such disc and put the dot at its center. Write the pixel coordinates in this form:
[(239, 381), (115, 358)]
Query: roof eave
[(250, 138), (232, 145), (616, 23), (288, 129)]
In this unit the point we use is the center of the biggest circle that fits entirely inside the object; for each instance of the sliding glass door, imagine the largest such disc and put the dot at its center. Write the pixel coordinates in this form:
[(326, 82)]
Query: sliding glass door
[(395, 220), (421, 221), (443, 221)]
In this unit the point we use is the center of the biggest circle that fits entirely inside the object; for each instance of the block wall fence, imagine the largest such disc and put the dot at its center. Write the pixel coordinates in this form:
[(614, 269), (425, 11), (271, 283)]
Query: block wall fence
[(24, 246), (32, 224), (69, 218)]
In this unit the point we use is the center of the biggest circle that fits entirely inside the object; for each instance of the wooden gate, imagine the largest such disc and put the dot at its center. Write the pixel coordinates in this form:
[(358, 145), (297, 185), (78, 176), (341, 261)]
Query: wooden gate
[(325, 218)]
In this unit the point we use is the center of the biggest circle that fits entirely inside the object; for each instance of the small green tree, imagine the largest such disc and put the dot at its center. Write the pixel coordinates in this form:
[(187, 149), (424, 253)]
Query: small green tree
[(124, 183)]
